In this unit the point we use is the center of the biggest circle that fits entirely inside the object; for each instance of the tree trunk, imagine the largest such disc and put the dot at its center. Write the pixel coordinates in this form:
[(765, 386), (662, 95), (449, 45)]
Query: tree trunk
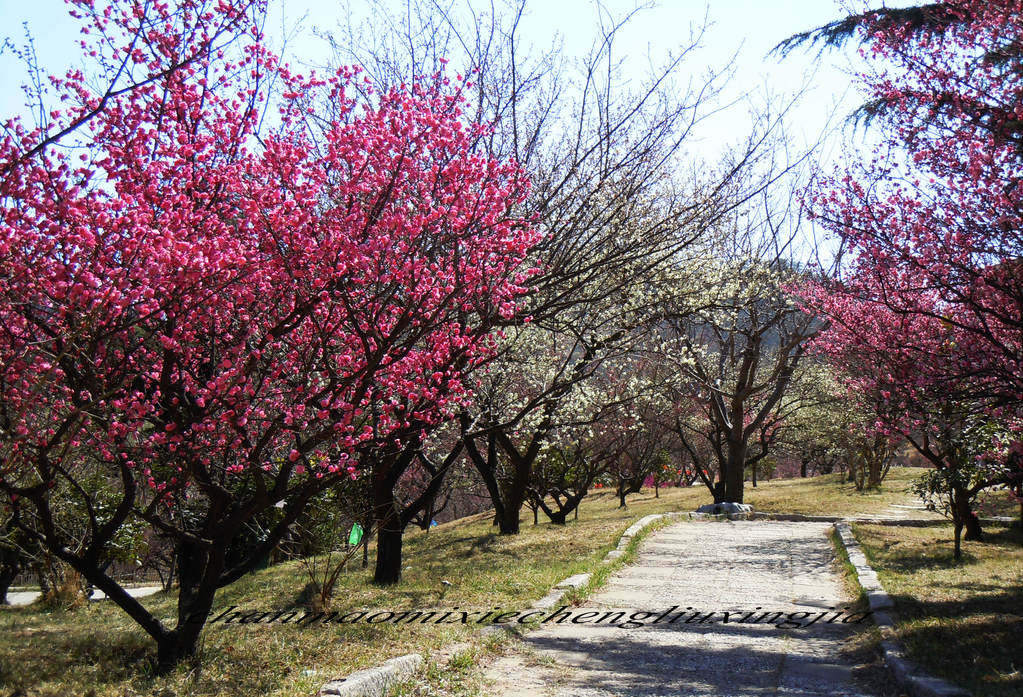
[(957, 550), (193, 610), (970, 520), (367, 530), (859, 468), (426, 521), (198, 571), (734, 472), (514, 493), (487, 468), (387, 519), (207, 558), (172, 569), (874, 473), (719, 491), (632, 484), (389, 542), (508, 521), (802, 469), (964, 517), (12, 559), (6, 578), (560, 516), (509, 506), (11, 564)]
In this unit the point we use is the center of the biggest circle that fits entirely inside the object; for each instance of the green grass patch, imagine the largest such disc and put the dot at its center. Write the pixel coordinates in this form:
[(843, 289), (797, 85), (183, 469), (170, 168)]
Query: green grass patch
[(961, 621), (862, 649), (830, 495), (98, 649), (850, 579)]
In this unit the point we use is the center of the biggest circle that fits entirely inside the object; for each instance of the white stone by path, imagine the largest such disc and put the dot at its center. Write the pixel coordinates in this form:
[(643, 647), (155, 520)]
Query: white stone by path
[(732, 566)]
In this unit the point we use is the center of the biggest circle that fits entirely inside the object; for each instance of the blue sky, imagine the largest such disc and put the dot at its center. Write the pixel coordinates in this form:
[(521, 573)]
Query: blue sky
[(745, 29)]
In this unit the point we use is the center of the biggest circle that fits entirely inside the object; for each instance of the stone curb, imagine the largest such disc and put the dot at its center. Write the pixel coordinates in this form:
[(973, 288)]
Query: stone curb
[(998, 520), (579, 580), (867, 577), (906, 674), (796, 517), (801, 518), (375, 682), (630, 532)]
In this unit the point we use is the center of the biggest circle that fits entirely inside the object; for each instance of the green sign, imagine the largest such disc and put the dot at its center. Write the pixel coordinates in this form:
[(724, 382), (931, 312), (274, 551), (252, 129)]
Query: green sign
[(355, 536)]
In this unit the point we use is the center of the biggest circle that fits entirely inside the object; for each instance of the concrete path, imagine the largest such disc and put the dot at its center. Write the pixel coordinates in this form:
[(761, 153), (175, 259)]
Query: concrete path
[(907, 511), (21, 598), (732, 566)]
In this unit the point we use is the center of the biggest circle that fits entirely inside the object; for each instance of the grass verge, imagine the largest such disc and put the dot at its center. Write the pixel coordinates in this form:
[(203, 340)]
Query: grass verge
[(960, 621), (462, 675), (862, 649), (98, 650)]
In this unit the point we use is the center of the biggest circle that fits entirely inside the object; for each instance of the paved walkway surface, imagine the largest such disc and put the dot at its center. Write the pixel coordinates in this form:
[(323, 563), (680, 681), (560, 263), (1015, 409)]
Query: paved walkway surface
[(912, 510), (21, 598), (709, 567)]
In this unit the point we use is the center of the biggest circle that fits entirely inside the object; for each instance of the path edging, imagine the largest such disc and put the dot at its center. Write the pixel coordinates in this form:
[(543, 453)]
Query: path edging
[(868, 520), (907, 674), (555, 594), (579, 580), (376, 681)]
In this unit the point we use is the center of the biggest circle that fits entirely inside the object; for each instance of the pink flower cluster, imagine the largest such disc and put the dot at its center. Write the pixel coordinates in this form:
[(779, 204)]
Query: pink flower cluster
[(183, 293), (931, 310)]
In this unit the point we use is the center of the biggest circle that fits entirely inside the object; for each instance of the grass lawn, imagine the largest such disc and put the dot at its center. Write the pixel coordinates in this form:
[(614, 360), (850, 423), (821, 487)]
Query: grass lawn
[(829, 495), (98, 651), (963, 622)]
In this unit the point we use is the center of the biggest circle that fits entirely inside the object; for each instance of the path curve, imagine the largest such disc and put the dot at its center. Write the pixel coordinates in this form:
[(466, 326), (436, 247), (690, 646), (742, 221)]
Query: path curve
[(24, 598), (731, 566)]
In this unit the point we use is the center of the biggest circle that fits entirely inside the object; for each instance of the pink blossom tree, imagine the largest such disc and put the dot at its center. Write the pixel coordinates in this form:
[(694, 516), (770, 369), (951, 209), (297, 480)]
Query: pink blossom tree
[(216, 318), (897, 367), (938, 208), (927, 319)]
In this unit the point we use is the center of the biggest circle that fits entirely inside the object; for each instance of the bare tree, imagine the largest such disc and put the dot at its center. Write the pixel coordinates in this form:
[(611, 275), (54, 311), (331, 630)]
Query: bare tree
[(624, 212), (739, 358)]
